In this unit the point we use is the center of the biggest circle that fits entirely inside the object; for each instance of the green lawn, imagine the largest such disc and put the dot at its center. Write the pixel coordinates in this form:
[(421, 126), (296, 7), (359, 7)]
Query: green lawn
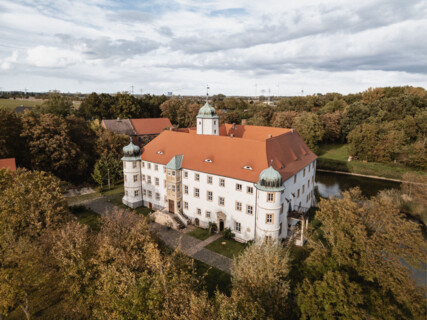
[(334, 157), (11, 104), (230, 249), (199, 233), (86, 216), (213, 278)]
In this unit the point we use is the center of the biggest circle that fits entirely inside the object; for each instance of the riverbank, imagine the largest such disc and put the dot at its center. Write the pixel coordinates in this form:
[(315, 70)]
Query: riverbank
[(334, 157)]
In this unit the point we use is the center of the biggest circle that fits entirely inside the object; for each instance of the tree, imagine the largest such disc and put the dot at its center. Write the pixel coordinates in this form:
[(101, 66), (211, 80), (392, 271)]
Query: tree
[(49, 145), (11, 144), (363, 141), (111, 143), (262, 117), (107, 166), (260, 277), (126, 106), (371, 95), (309, 127), (332, 124), (57, 104), (284, 119), (170, 109), (355, 268)]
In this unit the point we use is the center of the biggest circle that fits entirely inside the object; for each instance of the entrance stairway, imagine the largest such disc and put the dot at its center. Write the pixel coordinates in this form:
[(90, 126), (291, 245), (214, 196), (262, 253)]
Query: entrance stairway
[(181, 224)]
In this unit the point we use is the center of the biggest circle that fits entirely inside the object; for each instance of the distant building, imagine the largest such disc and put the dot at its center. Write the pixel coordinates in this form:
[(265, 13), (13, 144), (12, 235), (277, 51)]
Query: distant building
[(22, 109), (8, 164), (142, 131), (257, 181)]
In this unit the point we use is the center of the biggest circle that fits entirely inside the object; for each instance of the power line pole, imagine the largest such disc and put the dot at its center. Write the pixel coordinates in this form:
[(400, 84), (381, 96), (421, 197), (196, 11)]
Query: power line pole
[(132, 86)]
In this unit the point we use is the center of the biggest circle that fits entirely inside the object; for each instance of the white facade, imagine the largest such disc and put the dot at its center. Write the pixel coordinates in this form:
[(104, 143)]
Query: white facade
[(208, 126), (212, 198)]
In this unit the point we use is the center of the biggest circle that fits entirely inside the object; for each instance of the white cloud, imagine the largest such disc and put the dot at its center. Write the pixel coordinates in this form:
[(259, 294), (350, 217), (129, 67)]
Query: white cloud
[(51, 57)]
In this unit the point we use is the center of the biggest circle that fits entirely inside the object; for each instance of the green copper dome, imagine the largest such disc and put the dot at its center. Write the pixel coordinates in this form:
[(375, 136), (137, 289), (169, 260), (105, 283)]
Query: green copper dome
[(270, 180), (207, 111), (131, 152)]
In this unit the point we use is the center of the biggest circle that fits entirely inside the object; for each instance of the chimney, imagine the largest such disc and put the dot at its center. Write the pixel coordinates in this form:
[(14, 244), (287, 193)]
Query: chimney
[(270, 136), (244, 122)]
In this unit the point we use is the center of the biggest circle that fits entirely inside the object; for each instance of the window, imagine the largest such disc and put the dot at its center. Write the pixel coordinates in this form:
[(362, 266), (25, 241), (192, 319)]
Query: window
[(249, 209), (185, 174), (149, 179), (196, 177), (169, 172), (238, 206), (221, 201), (214, 131), (238, 227), (308, 184), (208, 160), (135, 178), (238, 187), (222, 182), (150, 194), (250, 190), (149, 165), (298, 194), (157, 196), (185, 205), (199, 212), (156, 167), (173, 172), (303, 173), (208, 214), (295, 178), (312, 179), (136, 193), (196, 192), (157, 181), (143, 177), (186, 189), (209, 178), (280, 228), (309, 168), (173, 188), (164, 169), (178, 188), (282, 208), (209, 195), (134, 164), (144, 192), (270, 197), (178, 204), (214, 121), (247, 167), (269, 218), (143, 164), (303, 188)]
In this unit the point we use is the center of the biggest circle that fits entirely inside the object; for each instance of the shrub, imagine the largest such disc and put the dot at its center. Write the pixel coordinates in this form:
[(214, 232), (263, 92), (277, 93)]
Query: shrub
[(228, 234)]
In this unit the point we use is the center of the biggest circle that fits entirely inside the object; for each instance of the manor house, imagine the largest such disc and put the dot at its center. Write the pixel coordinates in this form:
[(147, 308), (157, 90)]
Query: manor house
[(257, 181)]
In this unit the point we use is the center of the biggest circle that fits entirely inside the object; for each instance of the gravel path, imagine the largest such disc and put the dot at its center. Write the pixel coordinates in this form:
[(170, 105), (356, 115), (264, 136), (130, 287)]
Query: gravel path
[(175, 239)]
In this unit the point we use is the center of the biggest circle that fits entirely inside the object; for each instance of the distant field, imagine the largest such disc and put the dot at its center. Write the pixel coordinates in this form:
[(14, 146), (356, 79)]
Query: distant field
[(11, 104), (334, 157)]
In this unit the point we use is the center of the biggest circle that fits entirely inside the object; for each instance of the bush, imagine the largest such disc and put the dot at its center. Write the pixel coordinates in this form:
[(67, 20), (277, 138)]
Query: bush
[(212, 227), (228, 234)]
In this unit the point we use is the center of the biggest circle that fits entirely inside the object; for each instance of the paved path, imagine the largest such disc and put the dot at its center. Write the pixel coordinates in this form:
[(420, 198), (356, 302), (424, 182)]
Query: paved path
[(175, 239)]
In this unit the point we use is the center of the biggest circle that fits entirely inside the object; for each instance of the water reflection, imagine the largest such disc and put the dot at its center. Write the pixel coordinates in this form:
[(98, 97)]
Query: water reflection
[(331, 184)]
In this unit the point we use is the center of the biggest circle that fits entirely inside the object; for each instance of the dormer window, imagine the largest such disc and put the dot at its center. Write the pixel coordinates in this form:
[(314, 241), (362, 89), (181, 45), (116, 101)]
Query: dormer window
[(159, 152), (208, 160), (247, 167)]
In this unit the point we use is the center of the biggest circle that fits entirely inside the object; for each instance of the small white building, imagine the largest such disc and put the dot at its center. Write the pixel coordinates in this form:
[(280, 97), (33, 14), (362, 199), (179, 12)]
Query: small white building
[(257, 181)]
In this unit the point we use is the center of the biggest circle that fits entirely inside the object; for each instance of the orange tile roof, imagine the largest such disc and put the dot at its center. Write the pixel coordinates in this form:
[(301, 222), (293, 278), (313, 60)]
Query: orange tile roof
[(8, 164), (150, 125), (230, 154)]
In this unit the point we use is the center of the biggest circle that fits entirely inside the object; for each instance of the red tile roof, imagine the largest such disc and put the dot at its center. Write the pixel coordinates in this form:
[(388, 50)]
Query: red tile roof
[(8, 164), (249, 147), (150, 125)]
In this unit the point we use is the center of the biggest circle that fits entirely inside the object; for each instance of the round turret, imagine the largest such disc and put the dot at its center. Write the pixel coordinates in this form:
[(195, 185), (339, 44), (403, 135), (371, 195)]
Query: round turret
[(131, 152), (270, 179), (207, 111)]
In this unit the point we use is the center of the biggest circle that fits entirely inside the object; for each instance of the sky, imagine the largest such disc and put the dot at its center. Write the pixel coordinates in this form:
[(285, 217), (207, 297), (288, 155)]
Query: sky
[(237, 47)]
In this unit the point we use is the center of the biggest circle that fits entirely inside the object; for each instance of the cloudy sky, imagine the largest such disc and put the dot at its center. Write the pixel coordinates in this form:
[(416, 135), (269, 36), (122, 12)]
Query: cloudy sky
[(238, 47)]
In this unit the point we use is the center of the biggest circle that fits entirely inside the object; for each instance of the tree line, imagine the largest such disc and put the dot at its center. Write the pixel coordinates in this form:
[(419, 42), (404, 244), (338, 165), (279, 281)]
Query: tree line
[(53, 266), (381, 124)]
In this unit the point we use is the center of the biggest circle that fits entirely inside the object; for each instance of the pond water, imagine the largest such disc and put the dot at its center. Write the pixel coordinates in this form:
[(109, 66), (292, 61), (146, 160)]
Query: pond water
[(332, 184)]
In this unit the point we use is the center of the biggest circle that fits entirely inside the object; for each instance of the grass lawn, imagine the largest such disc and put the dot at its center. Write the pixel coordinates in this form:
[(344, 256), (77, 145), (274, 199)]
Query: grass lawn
[(86, 216), (11, 104), (213, 278), (334, 157), (199, 233), (231, 248)]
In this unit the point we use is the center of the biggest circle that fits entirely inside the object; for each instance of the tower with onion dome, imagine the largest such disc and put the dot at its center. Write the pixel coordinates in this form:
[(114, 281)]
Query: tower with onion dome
[(207, 120), (132, 175), (269, 204)]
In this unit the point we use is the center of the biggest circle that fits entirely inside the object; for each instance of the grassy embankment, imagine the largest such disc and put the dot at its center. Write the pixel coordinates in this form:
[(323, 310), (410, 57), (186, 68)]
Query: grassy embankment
[(334, 157), (11, 104)]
